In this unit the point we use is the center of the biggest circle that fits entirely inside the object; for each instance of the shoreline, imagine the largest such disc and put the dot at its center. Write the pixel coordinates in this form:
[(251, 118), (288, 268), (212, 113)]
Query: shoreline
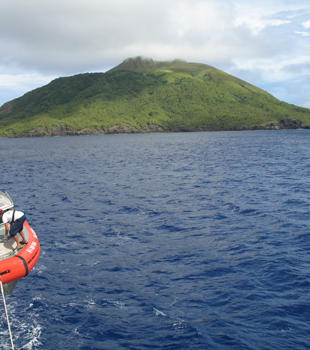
[(65, 130)]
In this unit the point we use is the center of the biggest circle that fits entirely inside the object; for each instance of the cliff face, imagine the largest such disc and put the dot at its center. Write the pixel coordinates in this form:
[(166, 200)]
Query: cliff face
[(141, 95)]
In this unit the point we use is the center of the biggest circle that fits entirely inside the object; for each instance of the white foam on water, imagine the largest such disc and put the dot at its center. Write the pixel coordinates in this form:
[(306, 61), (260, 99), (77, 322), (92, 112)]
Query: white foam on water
[(25, 327), (33, 337), (158, 312), (179, 324), (39, 269), (118, 304), (90, 304), (26, 335)]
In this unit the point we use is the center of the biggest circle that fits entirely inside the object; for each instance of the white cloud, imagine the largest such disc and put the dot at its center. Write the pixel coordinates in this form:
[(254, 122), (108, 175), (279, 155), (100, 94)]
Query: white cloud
[(56, 38), (306, 24), (271, 71), (15, 84), (257, 22), (302, 33), (278, 22), (75, 35), (23, 81)]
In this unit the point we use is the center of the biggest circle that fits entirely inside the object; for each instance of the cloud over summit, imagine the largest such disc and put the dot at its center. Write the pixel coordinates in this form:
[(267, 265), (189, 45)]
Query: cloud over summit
[(73, 36)]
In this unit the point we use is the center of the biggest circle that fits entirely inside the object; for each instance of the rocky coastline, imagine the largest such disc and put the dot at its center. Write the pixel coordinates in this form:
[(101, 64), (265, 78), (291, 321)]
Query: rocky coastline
[(65, 130)]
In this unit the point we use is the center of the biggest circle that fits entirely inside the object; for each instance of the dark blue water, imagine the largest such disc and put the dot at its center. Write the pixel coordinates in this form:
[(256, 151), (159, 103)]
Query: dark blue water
[(163, 241)]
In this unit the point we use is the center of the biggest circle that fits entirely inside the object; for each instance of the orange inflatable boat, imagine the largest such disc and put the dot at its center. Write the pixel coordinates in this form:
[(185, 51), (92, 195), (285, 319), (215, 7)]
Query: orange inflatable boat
[(15, 264)]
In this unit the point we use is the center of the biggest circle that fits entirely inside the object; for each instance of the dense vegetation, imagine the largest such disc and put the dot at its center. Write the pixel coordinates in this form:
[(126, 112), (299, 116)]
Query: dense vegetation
[(142, 95)]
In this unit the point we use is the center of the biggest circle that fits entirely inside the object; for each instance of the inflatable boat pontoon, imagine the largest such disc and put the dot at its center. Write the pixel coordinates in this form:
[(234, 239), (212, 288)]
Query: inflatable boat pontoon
[(15, 264)]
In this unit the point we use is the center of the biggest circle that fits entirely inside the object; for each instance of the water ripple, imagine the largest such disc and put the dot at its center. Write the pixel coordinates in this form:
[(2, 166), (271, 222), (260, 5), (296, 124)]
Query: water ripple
[(164, 241)]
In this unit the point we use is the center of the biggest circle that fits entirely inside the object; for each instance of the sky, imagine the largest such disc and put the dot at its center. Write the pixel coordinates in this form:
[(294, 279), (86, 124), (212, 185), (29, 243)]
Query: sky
[(266, 43)]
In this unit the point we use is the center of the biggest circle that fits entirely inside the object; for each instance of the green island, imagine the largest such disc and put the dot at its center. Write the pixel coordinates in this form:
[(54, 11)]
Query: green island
[(142, 95)]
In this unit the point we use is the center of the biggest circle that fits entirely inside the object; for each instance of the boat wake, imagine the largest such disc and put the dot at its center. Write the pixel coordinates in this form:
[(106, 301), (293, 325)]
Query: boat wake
[(26, 329)]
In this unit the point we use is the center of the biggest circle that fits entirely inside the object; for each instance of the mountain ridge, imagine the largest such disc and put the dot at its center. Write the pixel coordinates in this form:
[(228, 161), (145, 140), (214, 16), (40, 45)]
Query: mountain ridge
[(143, 95)]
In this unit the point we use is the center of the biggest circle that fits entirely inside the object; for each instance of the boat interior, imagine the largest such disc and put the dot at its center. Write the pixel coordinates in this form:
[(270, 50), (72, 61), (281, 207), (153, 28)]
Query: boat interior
[(8, 246)]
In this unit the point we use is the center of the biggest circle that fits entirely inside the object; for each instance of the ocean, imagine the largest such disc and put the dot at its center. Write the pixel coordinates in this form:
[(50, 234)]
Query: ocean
[(163, 241)]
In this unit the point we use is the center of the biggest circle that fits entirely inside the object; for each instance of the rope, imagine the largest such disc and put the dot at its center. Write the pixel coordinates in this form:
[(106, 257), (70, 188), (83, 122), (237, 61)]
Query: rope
[(6, 313)]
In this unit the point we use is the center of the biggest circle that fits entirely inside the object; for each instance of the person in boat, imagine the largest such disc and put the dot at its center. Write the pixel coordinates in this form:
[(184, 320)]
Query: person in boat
[(16, 220)]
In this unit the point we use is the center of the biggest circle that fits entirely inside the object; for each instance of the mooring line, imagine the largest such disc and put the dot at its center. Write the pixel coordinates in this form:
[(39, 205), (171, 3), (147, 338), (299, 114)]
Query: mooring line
[(6, 313)]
